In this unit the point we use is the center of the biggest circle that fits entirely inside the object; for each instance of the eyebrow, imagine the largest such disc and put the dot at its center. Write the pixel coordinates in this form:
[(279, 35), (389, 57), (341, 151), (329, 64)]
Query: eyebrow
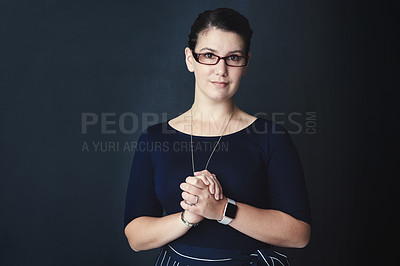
[(214, 51)]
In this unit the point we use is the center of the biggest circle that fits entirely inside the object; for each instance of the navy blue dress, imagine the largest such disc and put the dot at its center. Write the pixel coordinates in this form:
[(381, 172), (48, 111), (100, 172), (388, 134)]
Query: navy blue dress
[(257, 165)]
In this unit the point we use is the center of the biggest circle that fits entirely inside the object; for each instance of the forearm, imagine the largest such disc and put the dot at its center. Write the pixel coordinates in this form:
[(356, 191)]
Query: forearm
[(266, 225), (271, 226), (145, 233)]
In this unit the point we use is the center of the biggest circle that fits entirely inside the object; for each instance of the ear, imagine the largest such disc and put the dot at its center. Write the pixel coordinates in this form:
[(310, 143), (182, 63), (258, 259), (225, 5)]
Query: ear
[(189, 59), (245, 68)]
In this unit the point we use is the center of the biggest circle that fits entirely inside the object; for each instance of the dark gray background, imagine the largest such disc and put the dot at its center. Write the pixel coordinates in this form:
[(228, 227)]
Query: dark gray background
[(60, 205)]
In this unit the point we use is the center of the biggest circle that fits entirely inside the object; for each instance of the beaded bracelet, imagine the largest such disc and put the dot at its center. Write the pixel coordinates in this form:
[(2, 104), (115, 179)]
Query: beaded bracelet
[(186, 222)]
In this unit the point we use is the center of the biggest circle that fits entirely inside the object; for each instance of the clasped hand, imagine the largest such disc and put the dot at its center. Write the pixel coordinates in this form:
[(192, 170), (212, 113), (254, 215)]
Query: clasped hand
[(202, 197)]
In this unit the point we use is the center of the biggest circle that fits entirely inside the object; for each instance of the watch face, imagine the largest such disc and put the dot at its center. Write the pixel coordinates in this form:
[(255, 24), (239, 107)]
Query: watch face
[(231, 210)]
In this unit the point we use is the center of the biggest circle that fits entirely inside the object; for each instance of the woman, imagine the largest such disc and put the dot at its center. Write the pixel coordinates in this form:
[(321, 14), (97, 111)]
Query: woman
[(216, 185)]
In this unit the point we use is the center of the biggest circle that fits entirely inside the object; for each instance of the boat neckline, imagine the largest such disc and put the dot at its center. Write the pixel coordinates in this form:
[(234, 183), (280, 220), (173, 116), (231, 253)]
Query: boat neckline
[(225, 135)]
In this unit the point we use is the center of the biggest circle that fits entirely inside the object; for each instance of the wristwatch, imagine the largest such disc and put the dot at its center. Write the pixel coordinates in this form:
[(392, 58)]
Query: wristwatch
[(229, 212)]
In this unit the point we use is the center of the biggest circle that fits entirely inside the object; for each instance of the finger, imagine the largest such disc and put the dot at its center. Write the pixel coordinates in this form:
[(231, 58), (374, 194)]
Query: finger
[(204, 179), (202, 172), (190, 188), (187, 207), (221, 192), (184, 205), (211, 181), (199, 172), (189, 198), (218, 188), (214, 187), (196, 181)]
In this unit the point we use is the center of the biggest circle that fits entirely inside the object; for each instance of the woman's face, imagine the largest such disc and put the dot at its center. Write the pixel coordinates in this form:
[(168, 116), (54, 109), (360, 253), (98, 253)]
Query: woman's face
[(217, 82)]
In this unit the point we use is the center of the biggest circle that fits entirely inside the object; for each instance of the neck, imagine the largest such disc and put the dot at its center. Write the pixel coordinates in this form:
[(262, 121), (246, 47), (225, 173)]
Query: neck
[(204, 111)]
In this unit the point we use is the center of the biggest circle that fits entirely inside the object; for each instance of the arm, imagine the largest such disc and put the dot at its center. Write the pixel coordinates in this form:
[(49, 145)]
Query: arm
[(269, 226), (145, 232), (145, 226), (286, 195)]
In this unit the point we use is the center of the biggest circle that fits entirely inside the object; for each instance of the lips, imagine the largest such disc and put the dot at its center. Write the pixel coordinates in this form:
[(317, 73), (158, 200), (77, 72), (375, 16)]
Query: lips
[(220, 84)]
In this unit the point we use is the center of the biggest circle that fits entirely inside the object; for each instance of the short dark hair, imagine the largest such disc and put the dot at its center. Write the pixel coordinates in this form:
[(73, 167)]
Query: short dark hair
[(225, 19)]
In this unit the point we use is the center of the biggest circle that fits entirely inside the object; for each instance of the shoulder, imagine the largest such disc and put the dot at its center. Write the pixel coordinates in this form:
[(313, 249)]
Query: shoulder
[(263, 125), (155, 131), (180, 122)]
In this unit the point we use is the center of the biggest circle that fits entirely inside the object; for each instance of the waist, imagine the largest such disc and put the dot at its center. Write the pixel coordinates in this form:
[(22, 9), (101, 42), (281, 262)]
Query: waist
[(201, 251), (190, 255), (211, 234)]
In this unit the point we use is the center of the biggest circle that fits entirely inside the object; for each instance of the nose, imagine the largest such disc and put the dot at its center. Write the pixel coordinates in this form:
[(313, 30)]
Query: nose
[(221, 68)]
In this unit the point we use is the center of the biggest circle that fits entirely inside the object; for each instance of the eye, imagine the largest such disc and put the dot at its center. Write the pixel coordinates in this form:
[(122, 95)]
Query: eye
[(209, 56), (234, 57)]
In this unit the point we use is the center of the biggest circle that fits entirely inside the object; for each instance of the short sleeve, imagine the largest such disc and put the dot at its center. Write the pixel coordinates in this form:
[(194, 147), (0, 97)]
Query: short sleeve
[(286, 185), (141, 199)]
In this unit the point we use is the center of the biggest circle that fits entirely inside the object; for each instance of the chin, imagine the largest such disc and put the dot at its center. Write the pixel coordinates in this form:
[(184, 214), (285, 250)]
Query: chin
[(218, 94), (218, 97)]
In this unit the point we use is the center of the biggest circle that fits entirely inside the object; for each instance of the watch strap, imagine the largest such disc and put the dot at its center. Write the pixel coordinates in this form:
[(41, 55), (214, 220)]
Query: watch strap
[(225, 219)]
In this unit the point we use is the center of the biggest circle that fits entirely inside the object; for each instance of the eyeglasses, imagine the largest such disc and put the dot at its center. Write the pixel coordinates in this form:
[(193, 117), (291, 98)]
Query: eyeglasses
[(212, 59)]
